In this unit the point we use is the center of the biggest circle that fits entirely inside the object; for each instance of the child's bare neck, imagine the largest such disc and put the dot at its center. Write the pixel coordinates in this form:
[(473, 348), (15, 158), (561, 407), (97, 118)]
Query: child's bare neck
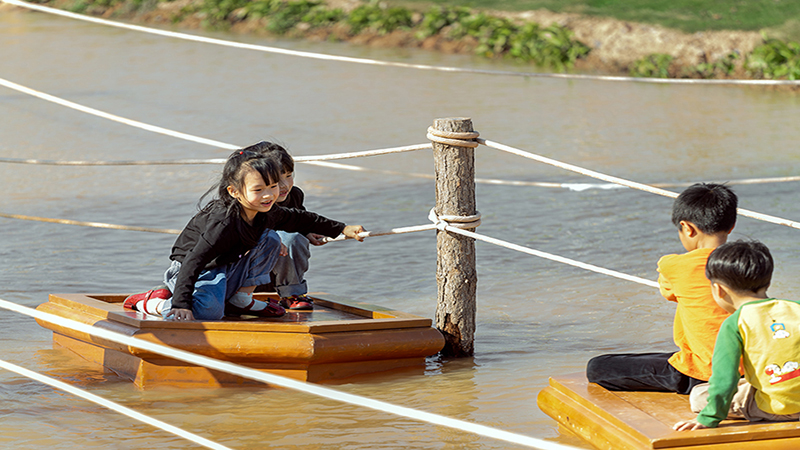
[(741, 298), (710, 240)]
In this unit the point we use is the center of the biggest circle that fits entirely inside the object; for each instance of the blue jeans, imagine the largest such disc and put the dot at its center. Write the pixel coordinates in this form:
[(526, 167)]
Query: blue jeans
[(639, 372), (289, 271), (215, 286)]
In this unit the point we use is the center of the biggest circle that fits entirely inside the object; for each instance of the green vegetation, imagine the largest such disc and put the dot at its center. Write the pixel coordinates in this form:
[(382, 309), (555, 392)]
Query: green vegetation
[(652, 66), (659, 65), (686, 15), (775, 59), (721, 67), (493, 36), (552, 46)]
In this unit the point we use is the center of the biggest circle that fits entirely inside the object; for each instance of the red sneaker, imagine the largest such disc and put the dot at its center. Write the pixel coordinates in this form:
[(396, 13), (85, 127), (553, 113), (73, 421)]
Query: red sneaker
[(298, 303), (160, 292)]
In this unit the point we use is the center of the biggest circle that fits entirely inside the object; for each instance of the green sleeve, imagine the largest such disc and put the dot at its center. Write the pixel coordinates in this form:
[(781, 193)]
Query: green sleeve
[(724, 372)]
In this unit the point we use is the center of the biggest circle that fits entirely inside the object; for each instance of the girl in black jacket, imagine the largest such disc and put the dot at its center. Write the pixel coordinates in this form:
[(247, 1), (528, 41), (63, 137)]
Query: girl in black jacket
[(230, 246)]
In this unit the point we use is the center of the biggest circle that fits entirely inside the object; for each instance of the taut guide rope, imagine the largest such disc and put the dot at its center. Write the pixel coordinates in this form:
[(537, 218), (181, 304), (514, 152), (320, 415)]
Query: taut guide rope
[(465, 139), (185, 136), (268, 378), (624, 182), (111, 405), (323, 163), (374, 62)]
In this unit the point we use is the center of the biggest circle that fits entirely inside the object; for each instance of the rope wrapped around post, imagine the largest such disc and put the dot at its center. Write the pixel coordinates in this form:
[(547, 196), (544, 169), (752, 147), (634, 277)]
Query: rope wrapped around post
[(460, 222), (454, 138)]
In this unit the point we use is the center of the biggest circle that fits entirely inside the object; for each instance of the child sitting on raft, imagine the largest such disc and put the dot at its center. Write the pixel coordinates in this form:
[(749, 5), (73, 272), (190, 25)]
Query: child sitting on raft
[(230, 246), (289, 271), (762, 332), (705, 215)]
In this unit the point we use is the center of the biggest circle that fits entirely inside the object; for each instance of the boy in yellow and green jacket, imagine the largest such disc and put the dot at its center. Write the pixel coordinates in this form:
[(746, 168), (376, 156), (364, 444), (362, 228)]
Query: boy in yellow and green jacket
[(762, 332)]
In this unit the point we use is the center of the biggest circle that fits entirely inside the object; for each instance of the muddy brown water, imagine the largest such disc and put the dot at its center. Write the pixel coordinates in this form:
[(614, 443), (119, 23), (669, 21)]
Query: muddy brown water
[(536, 318)]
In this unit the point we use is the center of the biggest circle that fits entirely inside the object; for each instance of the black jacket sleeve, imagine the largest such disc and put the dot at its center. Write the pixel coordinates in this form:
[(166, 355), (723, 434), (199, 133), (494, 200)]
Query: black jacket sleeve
[(211, 243), (303, 222)]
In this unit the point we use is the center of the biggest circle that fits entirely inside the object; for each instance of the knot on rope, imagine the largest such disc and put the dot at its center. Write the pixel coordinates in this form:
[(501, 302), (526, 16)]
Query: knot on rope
[(454, 138), (461, 222)]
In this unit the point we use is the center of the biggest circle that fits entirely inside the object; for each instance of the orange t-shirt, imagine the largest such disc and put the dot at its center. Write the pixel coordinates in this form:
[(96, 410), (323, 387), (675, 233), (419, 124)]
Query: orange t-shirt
[(682, 279)]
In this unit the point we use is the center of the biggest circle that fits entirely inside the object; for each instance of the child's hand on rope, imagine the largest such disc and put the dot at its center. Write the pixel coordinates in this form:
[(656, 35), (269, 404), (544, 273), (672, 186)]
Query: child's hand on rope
[(354, 231), (284, 251), (316, 239)]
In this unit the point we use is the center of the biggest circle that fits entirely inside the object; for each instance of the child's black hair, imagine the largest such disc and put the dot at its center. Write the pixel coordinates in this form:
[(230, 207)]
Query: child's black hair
[(710, 207), (275, 151), (744, 266), (234, 171)]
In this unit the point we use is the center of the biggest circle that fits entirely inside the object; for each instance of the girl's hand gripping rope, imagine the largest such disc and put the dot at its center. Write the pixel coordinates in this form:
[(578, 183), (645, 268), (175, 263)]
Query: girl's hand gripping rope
[(316, 239), (354, 232)]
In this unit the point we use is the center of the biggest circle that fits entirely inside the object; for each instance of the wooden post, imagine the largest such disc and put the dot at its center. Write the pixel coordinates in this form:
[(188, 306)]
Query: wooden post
[(455, 267)]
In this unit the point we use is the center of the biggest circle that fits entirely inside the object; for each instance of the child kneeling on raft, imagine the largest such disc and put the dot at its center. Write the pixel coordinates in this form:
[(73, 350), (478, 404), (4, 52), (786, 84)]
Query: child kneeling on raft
[(230, 246), (762, 332), (288, 275)]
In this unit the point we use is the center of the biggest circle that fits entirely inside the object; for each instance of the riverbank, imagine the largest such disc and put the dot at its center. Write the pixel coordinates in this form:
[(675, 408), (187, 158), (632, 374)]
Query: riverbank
[(560, 41)]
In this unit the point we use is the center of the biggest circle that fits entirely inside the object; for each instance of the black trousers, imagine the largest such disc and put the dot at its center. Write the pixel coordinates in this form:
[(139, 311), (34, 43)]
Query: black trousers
[(639, 372)]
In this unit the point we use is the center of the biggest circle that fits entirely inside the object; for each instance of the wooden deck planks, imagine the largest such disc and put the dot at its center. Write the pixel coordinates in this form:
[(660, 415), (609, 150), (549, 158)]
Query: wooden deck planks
[(643, 420)]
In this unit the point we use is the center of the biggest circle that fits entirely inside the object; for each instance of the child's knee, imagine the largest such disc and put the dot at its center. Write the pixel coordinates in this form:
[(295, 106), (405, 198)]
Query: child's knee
[(297, 244), (215, 311), (271, 240), (597, 369)]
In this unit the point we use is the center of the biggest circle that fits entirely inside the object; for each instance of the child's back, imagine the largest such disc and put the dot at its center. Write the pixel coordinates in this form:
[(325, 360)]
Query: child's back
[(705, 215), (697, 318)]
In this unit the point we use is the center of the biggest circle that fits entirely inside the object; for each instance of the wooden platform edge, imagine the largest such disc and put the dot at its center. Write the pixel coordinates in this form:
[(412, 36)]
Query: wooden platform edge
[(608, 421), (586, 422)]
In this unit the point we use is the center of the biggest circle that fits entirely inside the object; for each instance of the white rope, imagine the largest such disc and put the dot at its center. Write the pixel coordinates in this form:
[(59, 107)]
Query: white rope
[(624, 182), (323, 163), (439, 223), (288, 383), (374, 62), (105, 115), (442, 223), (111, 405), (401, 230), (382, 151), (552, 257), (188, 137)]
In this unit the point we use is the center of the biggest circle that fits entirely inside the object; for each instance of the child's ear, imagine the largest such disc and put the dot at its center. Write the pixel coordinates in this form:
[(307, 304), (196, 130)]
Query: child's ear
[(688, 228), (718, 290), (720, 294), (232, 191)]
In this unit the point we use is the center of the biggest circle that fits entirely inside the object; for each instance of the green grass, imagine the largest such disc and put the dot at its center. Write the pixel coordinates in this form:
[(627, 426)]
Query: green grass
[(782, 16)]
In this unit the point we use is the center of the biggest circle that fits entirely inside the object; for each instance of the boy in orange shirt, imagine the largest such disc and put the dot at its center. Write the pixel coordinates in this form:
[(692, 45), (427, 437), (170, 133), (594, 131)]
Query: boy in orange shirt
[(705, 215)]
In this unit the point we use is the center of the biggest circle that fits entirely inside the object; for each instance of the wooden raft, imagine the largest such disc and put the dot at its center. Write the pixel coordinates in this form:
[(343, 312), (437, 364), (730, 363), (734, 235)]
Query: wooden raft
[(643, 420), (334, 341)]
